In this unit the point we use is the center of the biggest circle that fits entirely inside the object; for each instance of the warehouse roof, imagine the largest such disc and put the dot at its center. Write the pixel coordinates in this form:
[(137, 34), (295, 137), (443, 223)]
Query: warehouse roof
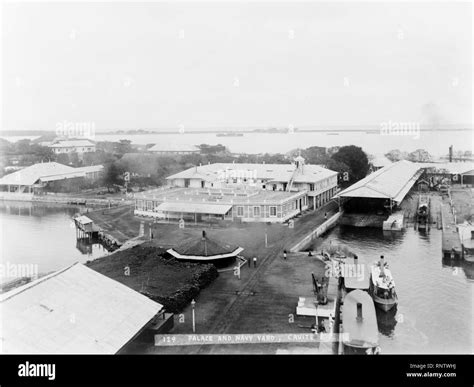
[(74, 311), (390, 182), (30, 175)]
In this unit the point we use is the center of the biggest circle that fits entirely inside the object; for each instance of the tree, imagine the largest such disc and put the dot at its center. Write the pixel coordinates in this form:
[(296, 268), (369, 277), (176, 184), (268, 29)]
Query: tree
[(62, 158), (354, 158), (113, 175), (396, 155)]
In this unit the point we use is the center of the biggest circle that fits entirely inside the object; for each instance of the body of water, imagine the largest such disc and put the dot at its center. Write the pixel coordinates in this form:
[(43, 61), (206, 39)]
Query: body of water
[(435, 309), (435, 142), (42, 235)]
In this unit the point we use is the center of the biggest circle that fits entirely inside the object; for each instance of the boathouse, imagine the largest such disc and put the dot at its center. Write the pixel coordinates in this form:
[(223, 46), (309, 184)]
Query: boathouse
[(74, 311), (382, 191)]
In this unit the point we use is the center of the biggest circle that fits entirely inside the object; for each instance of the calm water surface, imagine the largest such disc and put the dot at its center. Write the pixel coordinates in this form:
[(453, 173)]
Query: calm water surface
[(43, 235), (435, 310)]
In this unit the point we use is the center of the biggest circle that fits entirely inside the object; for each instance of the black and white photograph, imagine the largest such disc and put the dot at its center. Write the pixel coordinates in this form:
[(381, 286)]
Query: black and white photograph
[(237, 178)]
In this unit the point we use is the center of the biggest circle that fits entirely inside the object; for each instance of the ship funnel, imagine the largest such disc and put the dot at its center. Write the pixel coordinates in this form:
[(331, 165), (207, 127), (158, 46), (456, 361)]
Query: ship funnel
[(382, 265), (359, 311), (203, 234)]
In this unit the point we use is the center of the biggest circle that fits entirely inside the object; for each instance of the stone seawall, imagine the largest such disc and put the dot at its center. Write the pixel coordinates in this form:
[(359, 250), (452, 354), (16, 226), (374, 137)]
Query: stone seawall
[(320, 230)]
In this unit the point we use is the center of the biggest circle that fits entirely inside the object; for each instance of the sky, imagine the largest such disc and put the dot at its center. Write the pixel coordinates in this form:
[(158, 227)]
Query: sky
[(160, 65)]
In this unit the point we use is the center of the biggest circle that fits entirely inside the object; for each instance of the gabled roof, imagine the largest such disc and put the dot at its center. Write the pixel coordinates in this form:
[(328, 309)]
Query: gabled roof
[(276, 172), (391, 182), (73, 311), (31, 174)]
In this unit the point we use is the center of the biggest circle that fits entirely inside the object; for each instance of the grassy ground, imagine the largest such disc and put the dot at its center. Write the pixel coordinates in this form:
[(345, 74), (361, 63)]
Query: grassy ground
[(144, 269)]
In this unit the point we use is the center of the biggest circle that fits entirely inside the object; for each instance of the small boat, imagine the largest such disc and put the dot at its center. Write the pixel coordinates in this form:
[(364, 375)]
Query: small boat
[(230, 134), (359, 324), (355, 274), (382, 286), (423, 212)]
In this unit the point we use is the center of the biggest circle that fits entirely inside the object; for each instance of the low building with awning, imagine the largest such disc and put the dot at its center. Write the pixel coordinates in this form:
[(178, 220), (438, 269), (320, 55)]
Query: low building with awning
[(211, 204)]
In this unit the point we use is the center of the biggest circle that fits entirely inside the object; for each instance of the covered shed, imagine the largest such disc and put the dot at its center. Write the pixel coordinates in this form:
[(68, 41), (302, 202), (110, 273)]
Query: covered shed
[(205, 250), (73, 311), (382, 189)]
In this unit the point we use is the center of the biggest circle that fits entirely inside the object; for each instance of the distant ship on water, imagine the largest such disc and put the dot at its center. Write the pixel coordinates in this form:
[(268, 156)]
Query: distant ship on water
[(230, 134)]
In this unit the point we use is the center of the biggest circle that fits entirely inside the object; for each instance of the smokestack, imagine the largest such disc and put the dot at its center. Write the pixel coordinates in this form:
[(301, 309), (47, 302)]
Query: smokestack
[(359, 311), (451, 154), (203, 234), (382, 266), (356, 257)]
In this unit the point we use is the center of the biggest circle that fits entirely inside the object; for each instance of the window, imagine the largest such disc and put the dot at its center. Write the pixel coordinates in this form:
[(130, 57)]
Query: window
[(256, 211), (240, 212), (311, 187), (273, 211), (149, 205)]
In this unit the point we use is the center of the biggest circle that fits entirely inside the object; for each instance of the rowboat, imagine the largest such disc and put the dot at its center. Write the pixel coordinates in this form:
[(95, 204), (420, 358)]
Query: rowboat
[(359, 324)]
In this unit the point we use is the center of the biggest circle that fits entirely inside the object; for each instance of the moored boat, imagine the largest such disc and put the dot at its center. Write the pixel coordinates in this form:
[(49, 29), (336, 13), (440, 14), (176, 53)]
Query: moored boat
[(359, 324), (355, 274), (382, 286)]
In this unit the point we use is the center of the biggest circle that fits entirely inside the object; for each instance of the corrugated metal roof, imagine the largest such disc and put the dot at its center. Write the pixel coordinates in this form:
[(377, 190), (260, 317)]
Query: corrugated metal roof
[(73, 311), (29, 175), (195, 208), (393, 181), (276, 172)]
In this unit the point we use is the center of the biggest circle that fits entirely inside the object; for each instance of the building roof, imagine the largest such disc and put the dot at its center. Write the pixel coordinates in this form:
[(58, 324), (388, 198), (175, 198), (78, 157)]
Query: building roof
[(390, 182), (274, 172), (458, 168), (73, 311), (195, 208), (380, 161), (71, 143), (83, 219), (162, 147), (91, 168), (203, 248), (187, 197), (30, 175)]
